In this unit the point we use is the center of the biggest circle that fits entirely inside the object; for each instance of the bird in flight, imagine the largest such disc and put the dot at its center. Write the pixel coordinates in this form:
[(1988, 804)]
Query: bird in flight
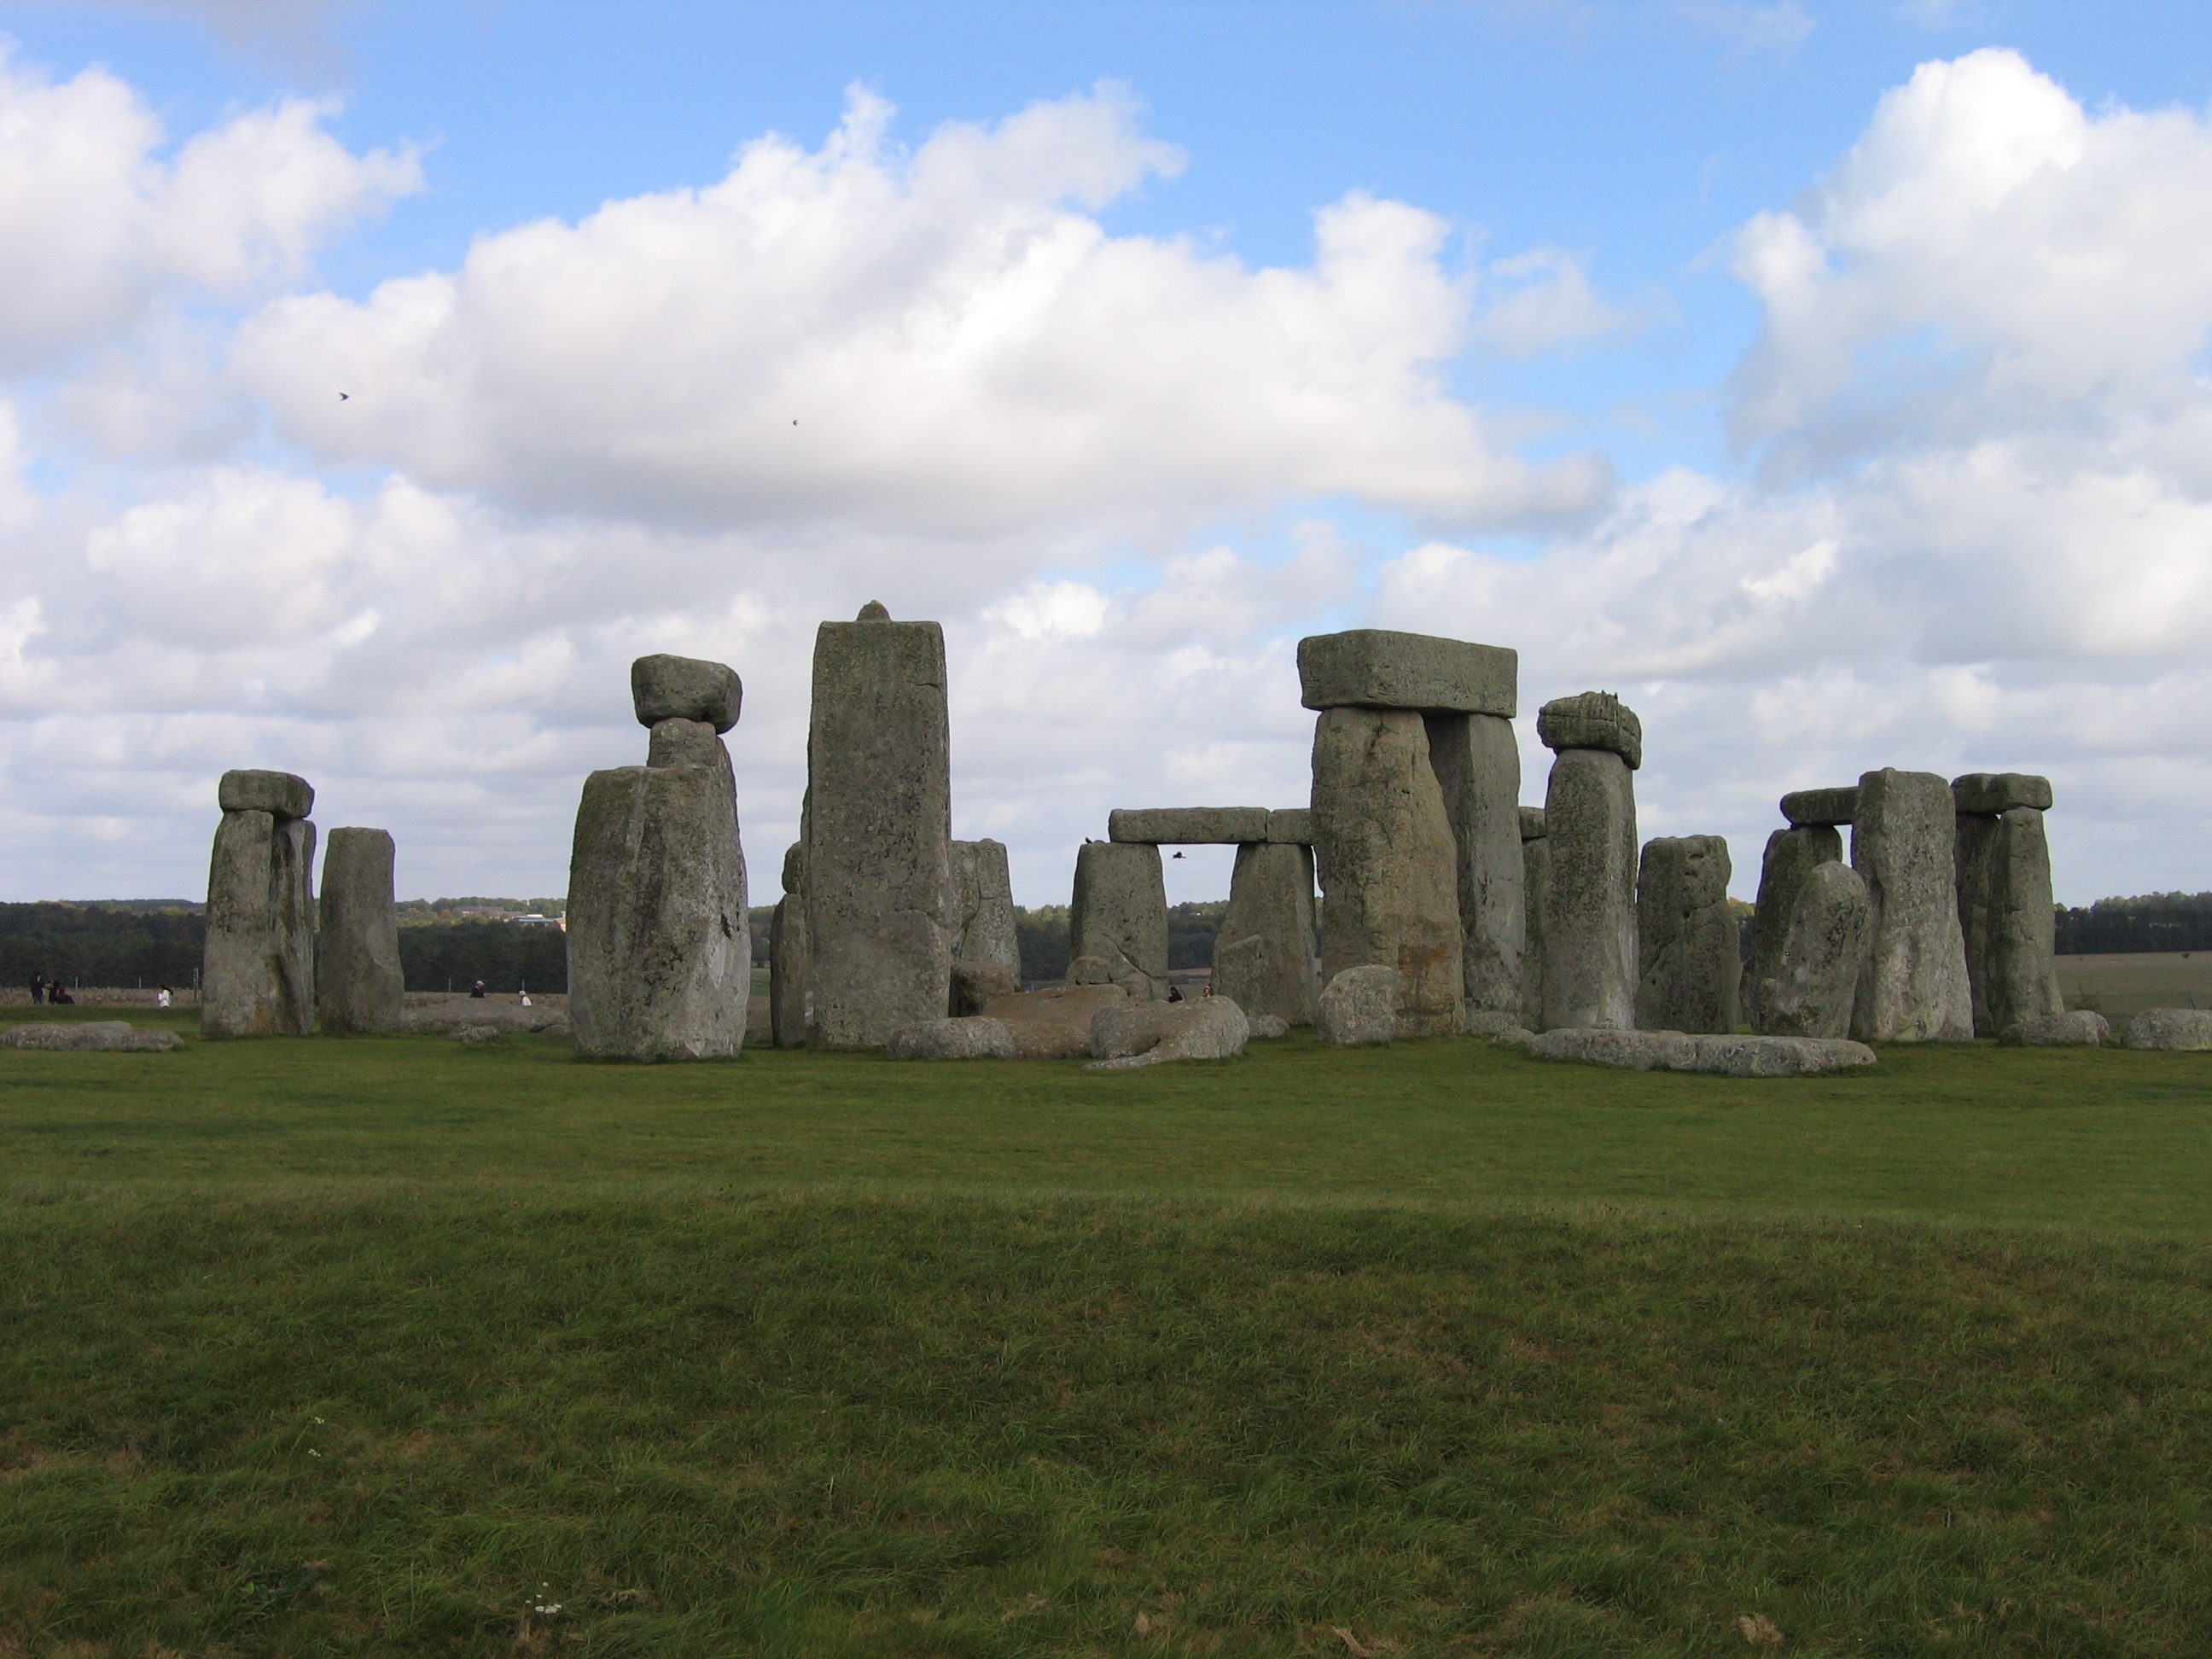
[(343, 396)]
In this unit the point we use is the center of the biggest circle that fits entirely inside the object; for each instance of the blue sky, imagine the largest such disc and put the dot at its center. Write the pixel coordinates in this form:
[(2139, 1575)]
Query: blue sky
[(1585, 406)]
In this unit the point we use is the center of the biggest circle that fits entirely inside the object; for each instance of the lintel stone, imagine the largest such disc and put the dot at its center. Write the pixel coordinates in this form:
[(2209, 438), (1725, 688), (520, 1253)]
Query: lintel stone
[(664, 688), (1377, 668), (1807, 807), (1592, 720), (1188, 825), (1290, 826), (2000, 792), (280, 795)]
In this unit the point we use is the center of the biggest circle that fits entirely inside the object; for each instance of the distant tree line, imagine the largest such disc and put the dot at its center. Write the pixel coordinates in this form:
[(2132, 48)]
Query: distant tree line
[(2154, 921)]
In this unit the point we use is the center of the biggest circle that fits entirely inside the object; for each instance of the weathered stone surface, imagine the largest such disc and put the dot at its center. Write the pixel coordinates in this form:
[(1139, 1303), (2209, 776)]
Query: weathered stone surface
[(455, 1014), (1089, 971), (686, 742), (359, 986), (659, 958), (987, 950), (1055, 1024), (1791, 855), (1359, 1006), (1119, 915), (1536, 895), (1154, 1034), (258, 969), (1266, 1027), (476, 1036), (878, 832), (1816, 976), (2006, 918), (1388, 861), (1592, 720), (2082, 1029), (280, 795), (105, 1037), (1722, 1055), (1806, 808), (1376, 668), (2170, 1027), (1589, 921), (787, 1000), (1290, 826), (685, 689), (1912, 985), (970, 1038), (1477, 761), (1188, 826), (1263, 955), (1515, 1036), (1992, 793), (1532, 824), (1689, 968)]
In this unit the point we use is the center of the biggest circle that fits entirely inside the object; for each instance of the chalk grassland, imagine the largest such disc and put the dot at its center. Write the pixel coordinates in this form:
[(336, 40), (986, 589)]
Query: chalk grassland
[(2119, 985), (394, 1347)]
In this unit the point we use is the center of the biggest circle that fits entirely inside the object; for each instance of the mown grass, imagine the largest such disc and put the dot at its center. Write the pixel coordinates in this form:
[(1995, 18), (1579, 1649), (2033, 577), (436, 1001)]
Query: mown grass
[(375, 1347)]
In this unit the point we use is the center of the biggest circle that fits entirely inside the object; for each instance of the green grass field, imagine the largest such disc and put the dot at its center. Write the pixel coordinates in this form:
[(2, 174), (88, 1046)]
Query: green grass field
[(384, 1347), (2119, 985)]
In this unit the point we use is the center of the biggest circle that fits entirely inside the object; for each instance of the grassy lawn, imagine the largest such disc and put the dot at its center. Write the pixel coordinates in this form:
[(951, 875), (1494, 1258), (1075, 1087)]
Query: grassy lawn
[(380, 1345)]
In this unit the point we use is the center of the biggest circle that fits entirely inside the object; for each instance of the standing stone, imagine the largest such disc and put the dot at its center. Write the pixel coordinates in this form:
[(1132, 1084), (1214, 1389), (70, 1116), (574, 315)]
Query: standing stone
[(1389, 866), (1912, 986), (987, 949), (1816, 967), (787, 1000), (1535, 889), (1119, 918), (1689, 967), (257, 971), (878, 830), (1263, 956), (1791, 855), (1590, 964), (1477, 761), (359, 986), (2005, 914)]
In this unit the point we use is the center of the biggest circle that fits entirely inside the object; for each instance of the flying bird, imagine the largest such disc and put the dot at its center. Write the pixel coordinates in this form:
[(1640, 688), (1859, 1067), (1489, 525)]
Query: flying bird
[(1178, 855), (343, 396)]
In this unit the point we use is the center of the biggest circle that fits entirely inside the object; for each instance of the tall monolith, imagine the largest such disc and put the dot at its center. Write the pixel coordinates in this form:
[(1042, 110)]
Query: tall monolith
[(787, 998), (1589, 822), (1118, 915), (1535, 888), (1814, 983), (1263, 955), (1689, 968), (258, 967), (878, 830), (986, 948), (2005, 910), (1477, 761), (1792, 854), (1912, 986), (359, 984)]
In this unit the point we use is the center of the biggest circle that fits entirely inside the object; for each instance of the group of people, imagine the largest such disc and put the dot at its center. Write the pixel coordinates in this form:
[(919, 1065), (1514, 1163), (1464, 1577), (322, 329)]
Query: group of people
[(43, 990)]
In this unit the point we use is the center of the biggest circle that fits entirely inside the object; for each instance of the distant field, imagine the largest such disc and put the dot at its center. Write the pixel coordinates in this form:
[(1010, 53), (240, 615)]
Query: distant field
[(2117, 986)]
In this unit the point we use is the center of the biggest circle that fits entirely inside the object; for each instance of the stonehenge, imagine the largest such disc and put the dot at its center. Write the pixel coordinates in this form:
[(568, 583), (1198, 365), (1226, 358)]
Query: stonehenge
[(1912, 985), (258, 970), (1536, 889), (1118, 917), (1687, 966), (359, 987), (1263, 954), (1814, 983), (788, 1009), (987, 950), (1590, 966), (659, 954), (2003, 872)]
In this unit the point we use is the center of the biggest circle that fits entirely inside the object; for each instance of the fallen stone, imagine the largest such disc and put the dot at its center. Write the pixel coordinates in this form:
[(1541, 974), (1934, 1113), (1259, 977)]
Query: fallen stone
[(1053, 1023), (1592, 720), (1638, 1051), (1808, 807), (1267, 1027), (1376, 668), (2081, 1029), (1992, 793), (449, 1016), (359, 985), (280, 795), (1689, 967), (986, 949), (1089, 971), (1589, 956), (476, 1036), (2171, 1029), (1477, 761), (877, 826), (1792, 856), (1359, 1006), (971, 1038), (105, 1037), (1154, 1034), (1290, 826), (1722, 1055), (1119, 915), (2006, 918), (1815, 976), (258, 964), (1388, 862), (663, 688), (1515, 1036), (1188, 826), (1912, 986), (1263, 954)]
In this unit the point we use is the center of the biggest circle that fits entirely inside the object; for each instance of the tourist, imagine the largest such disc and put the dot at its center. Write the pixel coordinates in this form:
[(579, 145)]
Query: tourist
[(38, 987), (478, 993), (162, 997)]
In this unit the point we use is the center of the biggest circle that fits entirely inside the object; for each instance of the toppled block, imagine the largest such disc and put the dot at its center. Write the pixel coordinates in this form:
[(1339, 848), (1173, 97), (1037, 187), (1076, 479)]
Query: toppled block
[(1722, 1055), (105, 1037), (1359, 1006), (1635, 1051), (1266, 1026), (973, 1038), (2188, 1029), (1188, 826), (1376, 668), (2000, 792), (455, 1014), (1806, 808), (280, 795), (2081, 1029), (1154, 1033), (1053, 1023), (663, 688), (1592, 720), (1290, 826)]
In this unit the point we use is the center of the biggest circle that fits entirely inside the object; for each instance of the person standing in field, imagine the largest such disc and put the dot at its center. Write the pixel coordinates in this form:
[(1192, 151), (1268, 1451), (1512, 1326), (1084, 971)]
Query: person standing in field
[(162, 997), (38, 987)]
